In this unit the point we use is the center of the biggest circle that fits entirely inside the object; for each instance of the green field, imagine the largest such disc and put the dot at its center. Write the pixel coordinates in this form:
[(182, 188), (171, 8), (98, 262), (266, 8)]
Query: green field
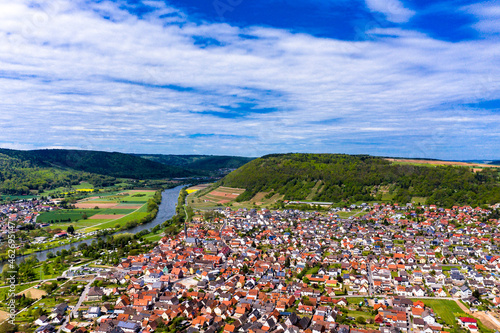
[(65, 214), (81, 224), (120, 221), (345, 215), (123, 202), (446, 309), (84, 185), (16, 197), (117, 211), (136, 197), (443, 308), (4, 292), (448, 268)]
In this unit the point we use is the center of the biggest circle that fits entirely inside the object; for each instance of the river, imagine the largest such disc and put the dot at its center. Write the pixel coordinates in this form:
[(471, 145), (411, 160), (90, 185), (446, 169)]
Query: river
[(166, 210)]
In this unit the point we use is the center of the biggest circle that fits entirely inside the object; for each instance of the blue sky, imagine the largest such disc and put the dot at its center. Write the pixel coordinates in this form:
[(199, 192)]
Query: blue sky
[(251, 77)]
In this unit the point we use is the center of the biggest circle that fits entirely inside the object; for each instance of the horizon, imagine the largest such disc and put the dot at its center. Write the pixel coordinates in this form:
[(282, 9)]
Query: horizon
[(255, 157), (386, 78)]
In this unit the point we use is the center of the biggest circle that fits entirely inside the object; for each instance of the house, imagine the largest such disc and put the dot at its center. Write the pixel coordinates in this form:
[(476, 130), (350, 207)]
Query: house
[(94, 312), (465, 291), (58, 319), (95, 294), (43, 320), (46, 329), (229, 328), (129, 327), (68, 328), (61, 309), (466, 321), (472, 301), (441, 293), (428, 318)]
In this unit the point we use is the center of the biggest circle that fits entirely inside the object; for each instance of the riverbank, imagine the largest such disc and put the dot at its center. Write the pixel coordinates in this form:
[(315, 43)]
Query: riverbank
[(166, 210), (122, 212)]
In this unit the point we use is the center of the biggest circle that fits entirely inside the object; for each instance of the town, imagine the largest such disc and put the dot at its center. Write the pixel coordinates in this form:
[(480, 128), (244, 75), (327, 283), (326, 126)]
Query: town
[(387, 268)]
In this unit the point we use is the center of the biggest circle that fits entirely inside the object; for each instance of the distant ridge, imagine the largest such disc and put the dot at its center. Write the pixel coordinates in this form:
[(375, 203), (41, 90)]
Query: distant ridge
[(99, 162), (25, 171), (199, 162), (344, 179)]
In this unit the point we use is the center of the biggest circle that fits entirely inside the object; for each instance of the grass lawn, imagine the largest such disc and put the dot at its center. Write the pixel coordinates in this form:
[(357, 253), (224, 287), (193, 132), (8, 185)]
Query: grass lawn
[(154, 237), (80, 224), (4, 292), (443, 308), (355, 300), (357, 314), (345, 215), (121, 221), (448, 268), (446, 309), (118, 211), (83, 185)]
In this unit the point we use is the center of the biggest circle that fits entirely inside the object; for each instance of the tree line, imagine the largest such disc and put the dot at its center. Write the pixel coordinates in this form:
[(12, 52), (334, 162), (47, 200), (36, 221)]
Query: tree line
[(351, 178)]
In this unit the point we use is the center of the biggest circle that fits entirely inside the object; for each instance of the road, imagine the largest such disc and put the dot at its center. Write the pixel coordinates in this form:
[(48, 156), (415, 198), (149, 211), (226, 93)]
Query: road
[(42, 281), (220, 233), (77, 306), (371, 289)]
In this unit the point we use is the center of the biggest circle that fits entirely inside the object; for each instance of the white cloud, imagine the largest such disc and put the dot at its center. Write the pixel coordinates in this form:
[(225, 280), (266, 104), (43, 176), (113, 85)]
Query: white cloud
[(488, 14), (394, 10), (126, 84)]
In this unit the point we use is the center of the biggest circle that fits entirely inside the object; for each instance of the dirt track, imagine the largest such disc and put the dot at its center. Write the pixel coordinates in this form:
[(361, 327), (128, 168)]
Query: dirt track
[(487, 321), (3, 315)]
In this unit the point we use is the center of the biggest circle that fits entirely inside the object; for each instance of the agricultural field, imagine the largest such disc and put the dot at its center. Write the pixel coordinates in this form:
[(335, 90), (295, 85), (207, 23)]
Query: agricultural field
[(97, 212), (219, 196), (66, 215), (196, 188), (224, 196), (7, 197), (475, 166)]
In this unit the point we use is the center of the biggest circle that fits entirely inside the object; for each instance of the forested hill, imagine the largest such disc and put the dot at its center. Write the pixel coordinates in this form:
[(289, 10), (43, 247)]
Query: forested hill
[(199, 162), (351, 178), (18, 176), (98, 162)]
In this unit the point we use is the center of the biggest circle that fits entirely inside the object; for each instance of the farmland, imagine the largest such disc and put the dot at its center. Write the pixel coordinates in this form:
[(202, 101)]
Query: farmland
[(101, 212), (215, 197), (475, 166)]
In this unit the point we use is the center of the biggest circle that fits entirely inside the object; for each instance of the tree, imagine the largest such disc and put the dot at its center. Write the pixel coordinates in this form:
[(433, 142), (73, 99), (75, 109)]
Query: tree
[(71, 229), (361, 320), (476, 294), (287, 262)]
